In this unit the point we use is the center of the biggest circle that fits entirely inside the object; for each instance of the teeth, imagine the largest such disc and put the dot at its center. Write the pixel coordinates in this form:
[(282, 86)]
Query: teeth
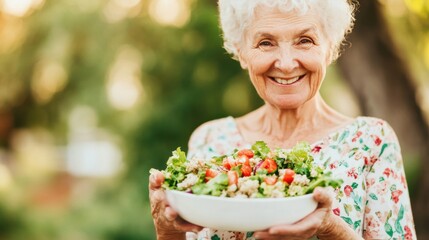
[(286, 81)]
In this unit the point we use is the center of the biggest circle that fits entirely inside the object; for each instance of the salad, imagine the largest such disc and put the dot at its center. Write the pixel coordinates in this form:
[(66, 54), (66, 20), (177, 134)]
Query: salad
[(258, 172)]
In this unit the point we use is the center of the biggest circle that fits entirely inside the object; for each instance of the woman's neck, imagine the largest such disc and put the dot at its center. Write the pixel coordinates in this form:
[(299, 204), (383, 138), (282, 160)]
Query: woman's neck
[(284, 128)]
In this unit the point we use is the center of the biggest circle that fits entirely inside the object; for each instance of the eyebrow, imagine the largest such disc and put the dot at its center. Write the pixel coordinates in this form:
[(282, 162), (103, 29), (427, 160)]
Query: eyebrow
[(306, 30), (263, 35), (301, 32)]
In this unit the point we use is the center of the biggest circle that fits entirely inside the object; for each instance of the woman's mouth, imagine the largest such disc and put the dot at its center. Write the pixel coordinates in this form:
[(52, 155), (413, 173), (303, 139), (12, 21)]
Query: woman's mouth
[(287, 81)]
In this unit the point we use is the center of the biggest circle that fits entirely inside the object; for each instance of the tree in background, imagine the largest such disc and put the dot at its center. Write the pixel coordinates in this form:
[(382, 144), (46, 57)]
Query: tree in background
[(385, 87)]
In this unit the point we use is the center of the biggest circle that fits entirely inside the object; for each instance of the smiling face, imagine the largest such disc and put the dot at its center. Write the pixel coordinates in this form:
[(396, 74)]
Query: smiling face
[(286, 55)]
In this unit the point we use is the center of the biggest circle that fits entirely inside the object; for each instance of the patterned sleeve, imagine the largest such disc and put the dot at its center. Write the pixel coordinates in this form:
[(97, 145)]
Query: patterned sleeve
[(214, 138), (197, 141), (388, 210)]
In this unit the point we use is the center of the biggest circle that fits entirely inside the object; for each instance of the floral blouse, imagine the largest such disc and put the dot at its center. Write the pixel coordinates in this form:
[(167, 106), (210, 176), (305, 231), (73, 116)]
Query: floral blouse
[(373, 199)]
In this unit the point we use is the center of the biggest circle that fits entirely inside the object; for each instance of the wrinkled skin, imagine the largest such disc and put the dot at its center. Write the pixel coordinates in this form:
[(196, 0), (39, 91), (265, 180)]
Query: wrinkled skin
[(318, 222), (167, 222)]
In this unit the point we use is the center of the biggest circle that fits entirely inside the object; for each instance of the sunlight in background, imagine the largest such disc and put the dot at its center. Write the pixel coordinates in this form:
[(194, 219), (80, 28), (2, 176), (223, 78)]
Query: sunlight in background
[(12, 34), (35, 154), (170, 12), (127, 3), (49, 78), (420, 7), (86, 6), (5, 178), (20, 8), (395, 8), (97, 158), (91, 151), (17, 7), (124, 88), (117, 10)]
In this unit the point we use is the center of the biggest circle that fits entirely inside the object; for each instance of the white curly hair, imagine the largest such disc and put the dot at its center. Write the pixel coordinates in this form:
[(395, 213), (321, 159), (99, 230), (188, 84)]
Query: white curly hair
[(337, 19)]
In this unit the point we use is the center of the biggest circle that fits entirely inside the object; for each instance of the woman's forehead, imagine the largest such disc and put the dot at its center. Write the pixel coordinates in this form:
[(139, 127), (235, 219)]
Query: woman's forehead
[(268, 21)]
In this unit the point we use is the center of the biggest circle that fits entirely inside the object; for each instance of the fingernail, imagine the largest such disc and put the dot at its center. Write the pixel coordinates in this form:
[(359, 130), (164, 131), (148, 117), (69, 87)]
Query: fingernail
[(152, 177)]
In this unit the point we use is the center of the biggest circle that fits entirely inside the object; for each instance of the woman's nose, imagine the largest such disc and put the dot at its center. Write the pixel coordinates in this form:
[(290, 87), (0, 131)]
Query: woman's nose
[(286, 59)]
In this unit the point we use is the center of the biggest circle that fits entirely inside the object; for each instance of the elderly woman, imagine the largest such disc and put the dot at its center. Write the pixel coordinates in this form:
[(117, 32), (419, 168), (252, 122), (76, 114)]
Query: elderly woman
[(286, 46)]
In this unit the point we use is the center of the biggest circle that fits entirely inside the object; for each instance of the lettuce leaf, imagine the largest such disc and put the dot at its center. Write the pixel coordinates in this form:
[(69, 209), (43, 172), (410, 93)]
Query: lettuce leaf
[(175, 171), (261, 149)]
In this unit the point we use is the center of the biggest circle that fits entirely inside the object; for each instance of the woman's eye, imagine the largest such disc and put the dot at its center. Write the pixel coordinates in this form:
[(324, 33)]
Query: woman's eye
[(305, 40), (265, 44)]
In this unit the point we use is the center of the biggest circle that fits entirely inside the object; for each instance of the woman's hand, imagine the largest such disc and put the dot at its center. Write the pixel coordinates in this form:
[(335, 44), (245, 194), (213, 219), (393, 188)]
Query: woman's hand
[(168, 224), (322, 222)]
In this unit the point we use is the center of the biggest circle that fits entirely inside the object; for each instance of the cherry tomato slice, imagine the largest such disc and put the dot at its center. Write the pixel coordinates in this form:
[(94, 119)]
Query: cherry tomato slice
[(210, 173), (269, 164), (229, 163), (246, 152), (246, 170), (289, 176)]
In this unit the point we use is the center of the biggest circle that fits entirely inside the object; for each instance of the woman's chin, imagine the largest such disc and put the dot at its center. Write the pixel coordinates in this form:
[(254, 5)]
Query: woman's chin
[(286, 103)]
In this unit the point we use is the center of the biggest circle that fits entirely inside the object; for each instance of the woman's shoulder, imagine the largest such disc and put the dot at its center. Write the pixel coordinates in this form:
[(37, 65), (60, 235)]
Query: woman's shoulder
[(214, 126), (363, 131), (373, 124), (216, 123), (215, 137), (371, 120), (375, 132)]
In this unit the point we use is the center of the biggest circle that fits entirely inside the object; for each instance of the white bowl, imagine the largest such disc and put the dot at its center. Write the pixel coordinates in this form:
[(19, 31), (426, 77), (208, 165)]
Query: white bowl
[(240, 214)]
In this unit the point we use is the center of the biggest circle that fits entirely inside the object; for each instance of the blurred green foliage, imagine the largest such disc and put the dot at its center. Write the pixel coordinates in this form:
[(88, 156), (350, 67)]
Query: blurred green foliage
[(187, 79)]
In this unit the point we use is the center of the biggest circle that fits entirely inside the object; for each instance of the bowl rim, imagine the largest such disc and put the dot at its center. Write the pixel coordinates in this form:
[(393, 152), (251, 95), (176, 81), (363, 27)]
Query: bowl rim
[(229, 199)]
